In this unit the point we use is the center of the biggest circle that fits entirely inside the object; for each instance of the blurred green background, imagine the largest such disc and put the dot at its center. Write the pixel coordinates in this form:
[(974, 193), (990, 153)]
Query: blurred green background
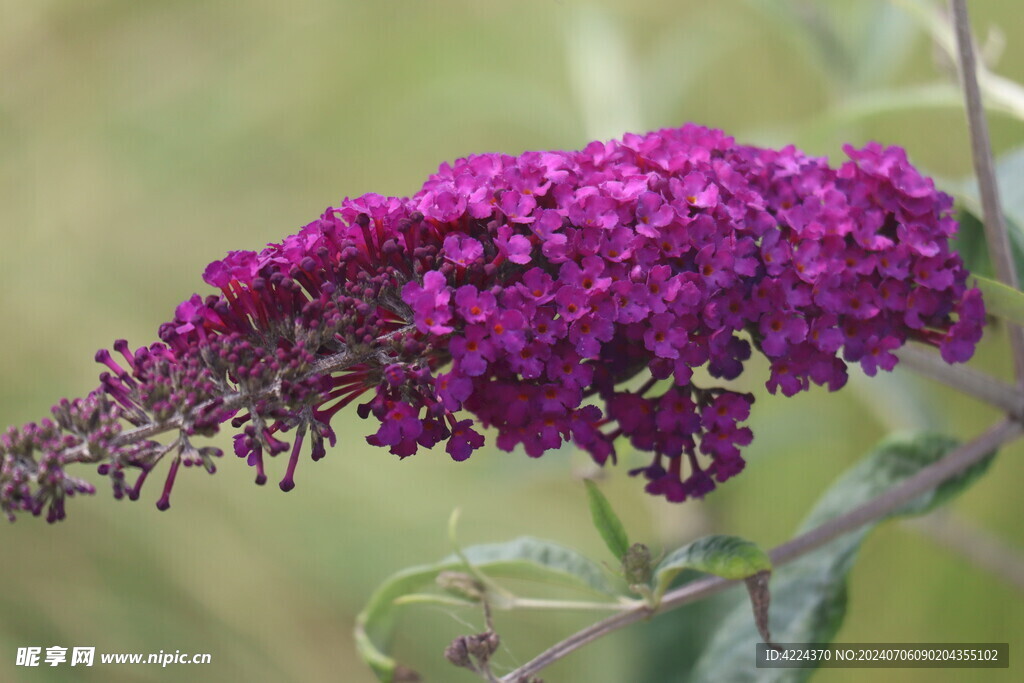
[(141, 140)]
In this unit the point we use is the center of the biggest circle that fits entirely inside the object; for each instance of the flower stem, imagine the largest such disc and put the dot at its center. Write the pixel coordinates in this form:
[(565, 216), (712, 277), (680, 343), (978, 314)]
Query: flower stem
[(535, 603), (975, 544), (964, 379)]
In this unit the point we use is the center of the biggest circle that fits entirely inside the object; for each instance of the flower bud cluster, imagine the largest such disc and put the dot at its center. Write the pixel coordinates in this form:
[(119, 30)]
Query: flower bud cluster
[(554, 297)]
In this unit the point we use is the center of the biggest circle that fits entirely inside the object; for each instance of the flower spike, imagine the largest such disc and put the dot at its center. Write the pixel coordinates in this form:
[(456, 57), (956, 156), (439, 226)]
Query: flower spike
[(530, 292)]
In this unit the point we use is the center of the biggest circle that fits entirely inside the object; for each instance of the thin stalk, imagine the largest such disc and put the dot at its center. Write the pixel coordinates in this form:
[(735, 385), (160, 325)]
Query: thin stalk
[(879, 507), (996, 234), (964, 379), (976, 545), (875, 509), (535, 603)]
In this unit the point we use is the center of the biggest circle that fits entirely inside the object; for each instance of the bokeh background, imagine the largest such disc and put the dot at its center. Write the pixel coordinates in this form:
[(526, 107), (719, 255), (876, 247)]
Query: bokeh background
[(141, 140)]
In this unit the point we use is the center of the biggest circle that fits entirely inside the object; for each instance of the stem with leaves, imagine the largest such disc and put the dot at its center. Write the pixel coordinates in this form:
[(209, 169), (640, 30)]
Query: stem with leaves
[(879, 507)]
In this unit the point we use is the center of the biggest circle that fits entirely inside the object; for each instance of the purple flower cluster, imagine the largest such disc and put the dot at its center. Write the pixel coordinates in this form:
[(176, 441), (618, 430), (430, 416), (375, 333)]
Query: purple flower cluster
[(553, 296)]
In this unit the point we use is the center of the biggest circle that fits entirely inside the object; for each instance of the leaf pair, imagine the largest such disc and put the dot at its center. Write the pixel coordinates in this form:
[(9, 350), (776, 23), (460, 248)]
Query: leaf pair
[(730, 557)]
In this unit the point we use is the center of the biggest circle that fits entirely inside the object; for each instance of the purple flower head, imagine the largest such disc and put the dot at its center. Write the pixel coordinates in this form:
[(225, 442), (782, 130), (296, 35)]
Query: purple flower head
[(589, 209), (568, 370), (694, 190), (664, 338), (542, 296)]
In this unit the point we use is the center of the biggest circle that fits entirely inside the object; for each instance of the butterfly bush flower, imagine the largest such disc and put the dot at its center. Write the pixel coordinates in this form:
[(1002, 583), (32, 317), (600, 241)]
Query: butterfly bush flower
[(552, 297)]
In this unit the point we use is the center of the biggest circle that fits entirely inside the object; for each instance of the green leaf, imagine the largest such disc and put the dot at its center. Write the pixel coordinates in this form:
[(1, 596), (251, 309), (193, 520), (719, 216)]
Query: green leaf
[(1001, 300), (730, 557), (538, 560), (969, 242), (809, 594), (607, 522), (887, 41), (524, 558), (895, 459), (375, 623)]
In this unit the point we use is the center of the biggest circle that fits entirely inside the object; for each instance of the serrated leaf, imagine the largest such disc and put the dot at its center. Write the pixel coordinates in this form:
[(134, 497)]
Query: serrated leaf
[(525, 558), (809, 594), (730, 557), (607, 522)]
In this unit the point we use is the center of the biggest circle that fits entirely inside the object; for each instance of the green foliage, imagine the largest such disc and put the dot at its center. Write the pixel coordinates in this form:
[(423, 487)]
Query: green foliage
[(854, 45), (809, 595), (970, 243), (607, 522), (1001, 300), (727, 556), (540, 561)]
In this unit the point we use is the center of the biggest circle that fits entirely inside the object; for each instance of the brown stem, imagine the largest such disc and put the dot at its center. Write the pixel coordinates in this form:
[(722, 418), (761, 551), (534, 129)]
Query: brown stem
[(964, 379), (996, 234)]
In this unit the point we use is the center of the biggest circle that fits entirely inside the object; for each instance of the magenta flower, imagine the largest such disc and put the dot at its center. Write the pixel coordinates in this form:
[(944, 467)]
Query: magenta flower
[(652, 212), (472, 351), (778, 331), (463, 251), (474, 306), (542, 296), (430, 303)]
